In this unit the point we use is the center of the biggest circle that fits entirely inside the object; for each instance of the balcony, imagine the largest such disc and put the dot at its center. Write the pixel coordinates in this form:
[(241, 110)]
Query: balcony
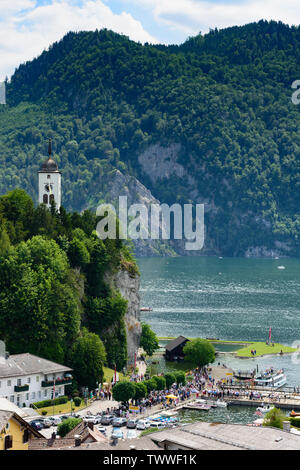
[(21, 388), (63, 381)]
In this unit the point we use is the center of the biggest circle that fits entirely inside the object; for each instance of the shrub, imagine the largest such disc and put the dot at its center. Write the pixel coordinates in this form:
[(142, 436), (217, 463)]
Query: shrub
[(170, 379), (47, 403), (77, 401), (67, 425), (294, 422), (44, 412), (160, 382), (180, 377), (150, 384), (274, 418)]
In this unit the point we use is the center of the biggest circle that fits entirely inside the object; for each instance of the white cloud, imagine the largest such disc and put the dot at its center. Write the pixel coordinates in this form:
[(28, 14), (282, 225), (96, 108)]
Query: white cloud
[(26, 29), (192, 16)]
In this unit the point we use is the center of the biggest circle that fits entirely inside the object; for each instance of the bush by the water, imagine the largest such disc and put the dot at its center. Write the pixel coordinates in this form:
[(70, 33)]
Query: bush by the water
[(274, 418)]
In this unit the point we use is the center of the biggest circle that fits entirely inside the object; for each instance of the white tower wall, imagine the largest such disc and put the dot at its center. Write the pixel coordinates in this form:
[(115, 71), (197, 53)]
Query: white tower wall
[(52, 181)]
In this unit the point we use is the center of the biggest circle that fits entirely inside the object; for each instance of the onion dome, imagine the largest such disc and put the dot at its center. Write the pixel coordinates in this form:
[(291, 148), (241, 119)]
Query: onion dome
[(49, 165)]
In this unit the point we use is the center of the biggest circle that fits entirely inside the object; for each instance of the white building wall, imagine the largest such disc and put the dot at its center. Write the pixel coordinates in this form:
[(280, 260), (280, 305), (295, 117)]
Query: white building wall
[(54, 180), (35, 391)]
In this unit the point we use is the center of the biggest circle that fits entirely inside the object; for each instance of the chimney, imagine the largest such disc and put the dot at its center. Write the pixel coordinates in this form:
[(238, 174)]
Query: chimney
[(77, 440)]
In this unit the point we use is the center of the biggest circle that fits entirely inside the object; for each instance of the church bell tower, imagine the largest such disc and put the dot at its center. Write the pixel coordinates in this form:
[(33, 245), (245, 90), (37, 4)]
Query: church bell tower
[(50, 181)]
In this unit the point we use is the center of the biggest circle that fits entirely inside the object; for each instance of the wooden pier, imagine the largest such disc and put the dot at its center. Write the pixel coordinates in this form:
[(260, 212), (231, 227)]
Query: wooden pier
[(284, 403)]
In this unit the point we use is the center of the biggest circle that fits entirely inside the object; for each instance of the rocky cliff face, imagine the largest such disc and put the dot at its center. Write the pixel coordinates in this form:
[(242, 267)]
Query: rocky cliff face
[(129, 289), (120, 184)]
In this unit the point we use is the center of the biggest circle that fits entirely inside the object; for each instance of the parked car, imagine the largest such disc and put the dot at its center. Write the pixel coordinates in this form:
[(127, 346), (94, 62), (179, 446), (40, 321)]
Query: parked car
[(55, 420), (64, 417), (37, 424), (157, 424), (117, 433), (46, 422), (102, 429), (131, 434), (92, 419), (131, 423), (107, 419), (142, 424), (118, 422)]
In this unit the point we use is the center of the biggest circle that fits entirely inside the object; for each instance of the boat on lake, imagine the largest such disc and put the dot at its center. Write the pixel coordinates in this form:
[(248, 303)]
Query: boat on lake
[(265, 408), (270, 379)]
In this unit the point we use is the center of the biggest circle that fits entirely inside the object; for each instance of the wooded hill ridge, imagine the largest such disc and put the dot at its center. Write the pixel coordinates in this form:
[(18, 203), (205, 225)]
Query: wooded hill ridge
[(218, 108)]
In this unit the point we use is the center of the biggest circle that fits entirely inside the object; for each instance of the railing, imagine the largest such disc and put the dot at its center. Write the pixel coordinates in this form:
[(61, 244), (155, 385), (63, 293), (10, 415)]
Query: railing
[(65, 381), (21, 388)]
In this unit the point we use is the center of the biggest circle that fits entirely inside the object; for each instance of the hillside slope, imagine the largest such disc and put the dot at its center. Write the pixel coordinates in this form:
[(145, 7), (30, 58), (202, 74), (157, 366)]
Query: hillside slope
[(209, 121)]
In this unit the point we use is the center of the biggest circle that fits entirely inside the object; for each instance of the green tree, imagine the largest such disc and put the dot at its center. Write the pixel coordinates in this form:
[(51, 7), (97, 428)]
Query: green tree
[(199, 352), (149, 340), (39, 301), (140, 390), (150, 384), (88, 358), (180, 377), (123, 391), (160, 382), (170, 379)]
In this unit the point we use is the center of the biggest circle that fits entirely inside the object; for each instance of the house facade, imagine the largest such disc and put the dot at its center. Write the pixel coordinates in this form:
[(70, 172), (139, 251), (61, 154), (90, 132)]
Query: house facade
[(25, 379)]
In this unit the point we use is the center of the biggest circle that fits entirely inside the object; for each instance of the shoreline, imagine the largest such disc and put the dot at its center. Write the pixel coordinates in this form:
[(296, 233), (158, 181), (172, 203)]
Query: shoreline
[(286, 350)]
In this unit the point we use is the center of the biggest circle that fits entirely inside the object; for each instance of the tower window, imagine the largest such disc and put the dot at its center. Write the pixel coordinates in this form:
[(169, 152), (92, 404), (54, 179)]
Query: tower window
[(51, 198), (45, 199), (48, 176)]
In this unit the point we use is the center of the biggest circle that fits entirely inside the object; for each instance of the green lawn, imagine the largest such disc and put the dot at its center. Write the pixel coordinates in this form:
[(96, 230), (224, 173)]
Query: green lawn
[(61, 409), (263, 349), (109, 373), (246, 346)]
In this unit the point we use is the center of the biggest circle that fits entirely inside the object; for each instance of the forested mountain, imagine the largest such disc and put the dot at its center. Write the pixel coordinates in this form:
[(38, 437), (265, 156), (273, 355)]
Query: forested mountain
[(58, 295), (208, 121)]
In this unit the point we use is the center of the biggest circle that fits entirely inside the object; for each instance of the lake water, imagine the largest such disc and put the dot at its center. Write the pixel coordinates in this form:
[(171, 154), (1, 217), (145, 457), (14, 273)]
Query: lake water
[(229, 298)]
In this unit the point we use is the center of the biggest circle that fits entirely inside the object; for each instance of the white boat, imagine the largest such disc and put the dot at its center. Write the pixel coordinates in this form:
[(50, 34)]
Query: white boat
[(271, 379), (213, 403), (221, 404), (265, 409)]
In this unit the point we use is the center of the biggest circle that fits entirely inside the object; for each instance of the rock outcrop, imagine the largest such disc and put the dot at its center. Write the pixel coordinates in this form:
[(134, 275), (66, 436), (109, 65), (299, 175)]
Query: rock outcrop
[(129, 289)]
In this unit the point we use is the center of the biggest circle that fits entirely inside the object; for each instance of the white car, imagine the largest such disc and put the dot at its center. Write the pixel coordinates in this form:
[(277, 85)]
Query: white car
[(56, 420), (142, 424), (131, 434), (92, 419), (157, 424)]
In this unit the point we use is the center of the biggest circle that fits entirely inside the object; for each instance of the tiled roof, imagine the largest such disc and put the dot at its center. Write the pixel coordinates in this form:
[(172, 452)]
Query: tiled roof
[(216, 436), (4, 418), (26, 364), (175, 342)]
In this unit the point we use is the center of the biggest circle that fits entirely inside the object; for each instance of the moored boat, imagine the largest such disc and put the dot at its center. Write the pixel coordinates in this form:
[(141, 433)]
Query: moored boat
[(265, 408), (271, 379)]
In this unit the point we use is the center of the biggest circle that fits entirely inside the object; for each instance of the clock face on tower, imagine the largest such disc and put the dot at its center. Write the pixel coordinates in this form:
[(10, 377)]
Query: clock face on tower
[(49, 187)]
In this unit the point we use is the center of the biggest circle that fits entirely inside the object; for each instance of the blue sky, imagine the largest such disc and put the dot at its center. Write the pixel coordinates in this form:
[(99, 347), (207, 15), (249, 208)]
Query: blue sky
[(27, 27)]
